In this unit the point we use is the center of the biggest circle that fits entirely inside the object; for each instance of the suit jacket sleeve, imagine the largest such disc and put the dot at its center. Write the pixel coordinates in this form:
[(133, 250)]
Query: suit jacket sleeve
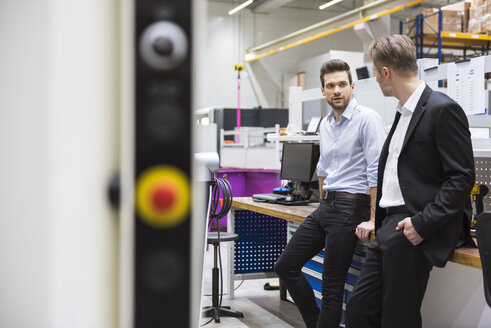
[(453, 144)]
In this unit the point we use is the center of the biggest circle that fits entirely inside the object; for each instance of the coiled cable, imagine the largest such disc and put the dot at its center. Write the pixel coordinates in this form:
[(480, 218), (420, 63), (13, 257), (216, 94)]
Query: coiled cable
[(223, 187)]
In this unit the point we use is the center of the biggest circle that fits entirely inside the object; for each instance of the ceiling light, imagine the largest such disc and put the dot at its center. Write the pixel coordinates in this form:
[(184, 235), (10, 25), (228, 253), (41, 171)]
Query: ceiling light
[(239, 7), (329, 4)]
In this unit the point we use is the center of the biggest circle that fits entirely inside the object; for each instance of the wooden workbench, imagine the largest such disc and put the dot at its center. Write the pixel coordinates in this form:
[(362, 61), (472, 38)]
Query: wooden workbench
[(465, 256)]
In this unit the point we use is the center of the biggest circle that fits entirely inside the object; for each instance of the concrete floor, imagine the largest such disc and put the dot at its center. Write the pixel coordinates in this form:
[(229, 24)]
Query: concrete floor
[(261, 308)]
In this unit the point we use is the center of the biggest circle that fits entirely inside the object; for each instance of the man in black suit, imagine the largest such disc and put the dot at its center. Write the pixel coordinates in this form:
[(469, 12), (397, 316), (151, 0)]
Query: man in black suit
[(426, 172)]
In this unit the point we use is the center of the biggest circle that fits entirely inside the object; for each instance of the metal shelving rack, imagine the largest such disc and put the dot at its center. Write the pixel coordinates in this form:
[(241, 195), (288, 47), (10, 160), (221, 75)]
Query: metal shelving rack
[(442, 39)]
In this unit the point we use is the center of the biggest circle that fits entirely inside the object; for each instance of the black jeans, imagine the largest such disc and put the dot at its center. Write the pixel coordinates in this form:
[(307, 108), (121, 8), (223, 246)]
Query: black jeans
[(332, 226), (392, 282)]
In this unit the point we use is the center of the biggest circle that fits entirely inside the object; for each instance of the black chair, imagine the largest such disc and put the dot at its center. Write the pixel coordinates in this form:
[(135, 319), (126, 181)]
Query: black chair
[(215, 310), (483, 235)]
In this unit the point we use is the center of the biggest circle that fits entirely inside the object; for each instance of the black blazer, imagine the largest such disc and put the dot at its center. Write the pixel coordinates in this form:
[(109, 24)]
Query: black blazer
[(436, 173)]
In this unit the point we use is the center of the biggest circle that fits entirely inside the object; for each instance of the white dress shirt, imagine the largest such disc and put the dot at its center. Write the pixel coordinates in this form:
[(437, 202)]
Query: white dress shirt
[(391, 190)]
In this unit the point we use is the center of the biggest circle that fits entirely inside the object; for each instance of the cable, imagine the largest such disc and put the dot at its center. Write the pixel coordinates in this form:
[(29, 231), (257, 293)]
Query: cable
[(208, 321), (240, 284), (219, 186), (226, 189)]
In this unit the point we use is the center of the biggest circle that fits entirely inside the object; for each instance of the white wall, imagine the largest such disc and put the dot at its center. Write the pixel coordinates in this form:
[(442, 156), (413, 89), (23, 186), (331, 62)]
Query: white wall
[(228, 37), (218, 85), (84, 145), (58, 123), (25, 227)]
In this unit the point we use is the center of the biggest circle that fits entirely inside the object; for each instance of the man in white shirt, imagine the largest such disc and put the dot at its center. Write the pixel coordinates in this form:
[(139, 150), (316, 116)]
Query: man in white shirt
[(426, 172)]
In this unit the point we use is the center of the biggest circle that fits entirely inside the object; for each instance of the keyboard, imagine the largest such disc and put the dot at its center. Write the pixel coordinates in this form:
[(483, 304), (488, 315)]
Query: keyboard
[(268, 197), (297, 202)]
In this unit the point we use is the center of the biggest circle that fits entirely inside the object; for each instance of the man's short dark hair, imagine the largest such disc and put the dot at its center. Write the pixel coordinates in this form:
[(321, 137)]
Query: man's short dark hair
[(395, 51), (335, 65)]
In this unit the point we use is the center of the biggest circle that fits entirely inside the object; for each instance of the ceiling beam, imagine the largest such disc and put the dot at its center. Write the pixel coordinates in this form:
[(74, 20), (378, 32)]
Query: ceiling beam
[(341, 22), (270, 5)]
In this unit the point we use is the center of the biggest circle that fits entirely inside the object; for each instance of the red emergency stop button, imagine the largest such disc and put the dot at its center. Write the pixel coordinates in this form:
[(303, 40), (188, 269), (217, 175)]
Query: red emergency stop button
[(162, 196)]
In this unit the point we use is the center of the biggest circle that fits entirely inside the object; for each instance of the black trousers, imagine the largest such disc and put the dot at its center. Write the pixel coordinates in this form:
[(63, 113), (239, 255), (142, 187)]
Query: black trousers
[(331, 226), (392, 283)]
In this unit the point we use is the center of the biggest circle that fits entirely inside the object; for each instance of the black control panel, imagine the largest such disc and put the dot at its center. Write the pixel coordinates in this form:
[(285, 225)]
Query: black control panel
[(162, 163)]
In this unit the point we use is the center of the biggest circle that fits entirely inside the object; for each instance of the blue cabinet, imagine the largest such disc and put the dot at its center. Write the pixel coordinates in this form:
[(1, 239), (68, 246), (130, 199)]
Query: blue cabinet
[(313, 270)]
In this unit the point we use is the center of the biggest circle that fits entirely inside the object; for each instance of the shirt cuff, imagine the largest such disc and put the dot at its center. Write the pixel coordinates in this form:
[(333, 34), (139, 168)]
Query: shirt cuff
[(372, 182)]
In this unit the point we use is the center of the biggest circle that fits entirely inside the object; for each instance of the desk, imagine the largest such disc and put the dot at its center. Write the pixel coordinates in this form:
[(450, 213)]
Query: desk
[(458, 286), (289, 213), (464, 255)]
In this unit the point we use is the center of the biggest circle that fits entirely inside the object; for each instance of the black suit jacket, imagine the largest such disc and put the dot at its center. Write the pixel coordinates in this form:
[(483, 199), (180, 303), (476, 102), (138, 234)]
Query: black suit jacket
[(435, 171)]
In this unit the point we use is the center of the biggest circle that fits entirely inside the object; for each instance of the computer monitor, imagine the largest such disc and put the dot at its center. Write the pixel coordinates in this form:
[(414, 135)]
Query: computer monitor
[(299, 161), (362, 73)]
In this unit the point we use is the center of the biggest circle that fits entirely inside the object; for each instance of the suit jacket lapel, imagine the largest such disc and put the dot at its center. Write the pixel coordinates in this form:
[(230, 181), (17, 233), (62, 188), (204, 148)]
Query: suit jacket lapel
[(385, 149), (380, 215), (418, 112)]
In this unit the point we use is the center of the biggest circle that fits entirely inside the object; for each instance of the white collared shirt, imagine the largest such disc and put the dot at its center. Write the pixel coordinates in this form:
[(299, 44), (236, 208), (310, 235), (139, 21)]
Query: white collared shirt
[(391, 190)]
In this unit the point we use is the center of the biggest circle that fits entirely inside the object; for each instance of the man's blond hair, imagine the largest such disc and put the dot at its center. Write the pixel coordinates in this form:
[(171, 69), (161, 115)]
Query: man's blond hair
[(395, 51)]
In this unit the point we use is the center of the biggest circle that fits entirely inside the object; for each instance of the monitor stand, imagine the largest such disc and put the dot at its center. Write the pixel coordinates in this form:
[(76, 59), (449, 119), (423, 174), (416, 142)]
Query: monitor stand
[(301, 195), (303, 191)]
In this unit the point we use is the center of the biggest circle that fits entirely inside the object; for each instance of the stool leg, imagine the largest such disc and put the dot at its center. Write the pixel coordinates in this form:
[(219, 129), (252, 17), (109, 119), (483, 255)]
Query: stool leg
[(215, 310), (215, 274)]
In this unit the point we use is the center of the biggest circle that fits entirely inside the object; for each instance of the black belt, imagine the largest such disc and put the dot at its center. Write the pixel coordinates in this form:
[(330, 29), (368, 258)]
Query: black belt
[(396, 209), (346, 195)]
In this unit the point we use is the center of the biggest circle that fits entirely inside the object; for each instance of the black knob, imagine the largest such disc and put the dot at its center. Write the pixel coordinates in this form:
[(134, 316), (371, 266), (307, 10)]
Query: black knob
[(114, 191), (163, 46)]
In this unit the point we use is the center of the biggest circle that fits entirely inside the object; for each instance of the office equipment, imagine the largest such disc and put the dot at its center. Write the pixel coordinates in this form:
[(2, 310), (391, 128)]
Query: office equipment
[(226, 118), (478, 192), (290, 201), (248, 148), (281, 190), (299, 161), (298, 164), (362, 73), (268, 197), (313, 126)]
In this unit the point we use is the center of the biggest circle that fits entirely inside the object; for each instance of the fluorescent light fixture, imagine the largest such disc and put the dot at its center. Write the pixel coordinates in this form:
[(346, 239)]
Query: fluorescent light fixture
[(328, 4), (239, 7), (248, 57)]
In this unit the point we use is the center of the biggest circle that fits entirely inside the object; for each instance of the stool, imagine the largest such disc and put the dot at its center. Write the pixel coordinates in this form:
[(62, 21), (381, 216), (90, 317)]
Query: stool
[(215, 310)]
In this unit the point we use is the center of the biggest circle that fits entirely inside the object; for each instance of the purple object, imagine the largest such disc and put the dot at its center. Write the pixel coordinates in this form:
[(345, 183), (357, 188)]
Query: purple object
[(246, 182)]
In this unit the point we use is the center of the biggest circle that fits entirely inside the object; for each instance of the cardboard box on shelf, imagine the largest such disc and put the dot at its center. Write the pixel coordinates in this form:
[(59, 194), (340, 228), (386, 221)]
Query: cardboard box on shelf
[(478, 2), (463, 7), (474, 26), (452, 20), (486, 24), (460, 6), (480, 19)]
